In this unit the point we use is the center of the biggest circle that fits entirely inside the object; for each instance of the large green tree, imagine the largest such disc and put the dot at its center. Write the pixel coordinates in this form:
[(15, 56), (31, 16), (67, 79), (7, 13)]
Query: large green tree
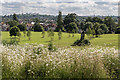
[(69, 18), (97, 29), (84, 27), (104, 28), (94, 19), (14, 31), (72, 26), (59, 22), (110, 24)]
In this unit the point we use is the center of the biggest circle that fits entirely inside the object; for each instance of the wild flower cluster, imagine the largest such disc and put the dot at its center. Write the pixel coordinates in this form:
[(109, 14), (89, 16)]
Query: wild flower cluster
[(36, 61)]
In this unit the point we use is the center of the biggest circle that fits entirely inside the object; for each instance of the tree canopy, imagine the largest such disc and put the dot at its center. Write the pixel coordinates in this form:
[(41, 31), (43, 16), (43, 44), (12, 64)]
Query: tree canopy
[(14, 31), (59, 22), (72, 26)]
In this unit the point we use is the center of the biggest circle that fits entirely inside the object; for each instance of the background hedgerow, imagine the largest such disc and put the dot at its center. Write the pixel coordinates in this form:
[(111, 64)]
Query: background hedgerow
[(36, 61)]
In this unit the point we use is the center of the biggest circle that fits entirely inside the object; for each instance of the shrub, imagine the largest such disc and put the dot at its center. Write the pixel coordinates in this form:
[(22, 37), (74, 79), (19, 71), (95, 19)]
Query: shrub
[(29, 34), (38, 27), (60, 34), (43, 34), (51, 47), (13, 41), (22, 27)]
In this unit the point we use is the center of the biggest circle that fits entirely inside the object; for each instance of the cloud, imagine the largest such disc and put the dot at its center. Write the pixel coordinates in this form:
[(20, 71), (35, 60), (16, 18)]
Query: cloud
[(80, 7)]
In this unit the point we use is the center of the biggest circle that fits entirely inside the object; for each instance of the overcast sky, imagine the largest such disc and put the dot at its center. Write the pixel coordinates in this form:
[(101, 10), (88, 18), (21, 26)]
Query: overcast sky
[(51, 7)]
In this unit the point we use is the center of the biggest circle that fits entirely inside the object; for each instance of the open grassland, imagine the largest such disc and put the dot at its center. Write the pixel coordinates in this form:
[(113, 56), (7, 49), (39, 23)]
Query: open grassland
[(106, 40)]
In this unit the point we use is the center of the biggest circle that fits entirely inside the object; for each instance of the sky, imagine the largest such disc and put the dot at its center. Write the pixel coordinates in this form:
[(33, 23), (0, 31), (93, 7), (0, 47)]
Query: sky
[(51, 7)]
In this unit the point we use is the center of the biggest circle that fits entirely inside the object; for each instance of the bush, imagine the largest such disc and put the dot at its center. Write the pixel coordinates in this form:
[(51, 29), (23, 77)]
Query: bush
[(81, 42), (13, 41), (38, 27), (22, 27), (51, 47), (118, 31)]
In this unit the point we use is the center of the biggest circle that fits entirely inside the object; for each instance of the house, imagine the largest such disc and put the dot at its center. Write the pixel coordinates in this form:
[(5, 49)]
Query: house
[(29, 26), (4, 27), (20, 22), (32, 23), (50, 26)]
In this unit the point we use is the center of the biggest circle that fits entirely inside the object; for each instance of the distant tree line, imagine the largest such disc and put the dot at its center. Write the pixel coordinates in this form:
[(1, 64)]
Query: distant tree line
[(71, 23)]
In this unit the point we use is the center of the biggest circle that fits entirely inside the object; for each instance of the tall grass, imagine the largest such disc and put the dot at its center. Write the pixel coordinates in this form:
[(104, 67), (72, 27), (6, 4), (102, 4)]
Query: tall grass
[(36, 61)]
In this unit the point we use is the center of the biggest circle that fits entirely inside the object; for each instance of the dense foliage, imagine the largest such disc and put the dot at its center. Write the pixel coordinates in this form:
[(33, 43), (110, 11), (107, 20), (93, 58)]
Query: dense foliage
[(14, 31), (38, 27), (13, 23), (22, 27), (59, 22)]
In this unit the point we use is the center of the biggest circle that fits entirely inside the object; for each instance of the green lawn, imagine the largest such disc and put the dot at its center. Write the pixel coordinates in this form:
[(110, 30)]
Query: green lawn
[(106, 40)]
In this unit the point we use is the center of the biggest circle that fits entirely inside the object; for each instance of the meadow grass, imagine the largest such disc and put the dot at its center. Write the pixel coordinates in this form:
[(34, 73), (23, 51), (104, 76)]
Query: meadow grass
[(36, 61), (106, 40)]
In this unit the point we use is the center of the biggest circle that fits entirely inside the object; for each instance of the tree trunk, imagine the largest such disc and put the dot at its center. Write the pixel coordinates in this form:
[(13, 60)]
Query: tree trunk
[(82, 36), (73, 35), (29, 38), (59, 38)]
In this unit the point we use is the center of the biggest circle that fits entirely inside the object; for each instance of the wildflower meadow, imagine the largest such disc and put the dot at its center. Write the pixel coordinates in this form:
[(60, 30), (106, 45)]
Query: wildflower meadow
[(36, 61)]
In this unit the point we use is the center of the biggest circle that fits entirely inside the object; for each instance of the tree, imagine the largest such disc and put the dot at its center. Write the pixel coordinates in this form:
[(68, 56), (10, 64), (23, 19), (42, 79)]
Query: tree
[(93, 32), (51, 34), (89, 31), (117, 30), (13, 23), (85, 26), (29, 34), (38, 27), (69, 18), (97, 29), (110, 24), (94, 20), (24, 32), (72, 26), (36, 20), (43, 34), (73, 31), (22, 27), (69, 33), (104, 28), (15, 17), (19, 35), (48, 32), (59, 22), (14, 31), (60, 34)]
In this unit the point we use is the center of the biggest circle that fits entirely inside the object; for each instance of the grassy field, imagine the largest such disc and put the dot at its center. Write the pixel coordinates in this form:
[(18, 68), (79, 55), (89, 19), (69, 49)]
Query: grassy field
[(106, 40), (37, 61)]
